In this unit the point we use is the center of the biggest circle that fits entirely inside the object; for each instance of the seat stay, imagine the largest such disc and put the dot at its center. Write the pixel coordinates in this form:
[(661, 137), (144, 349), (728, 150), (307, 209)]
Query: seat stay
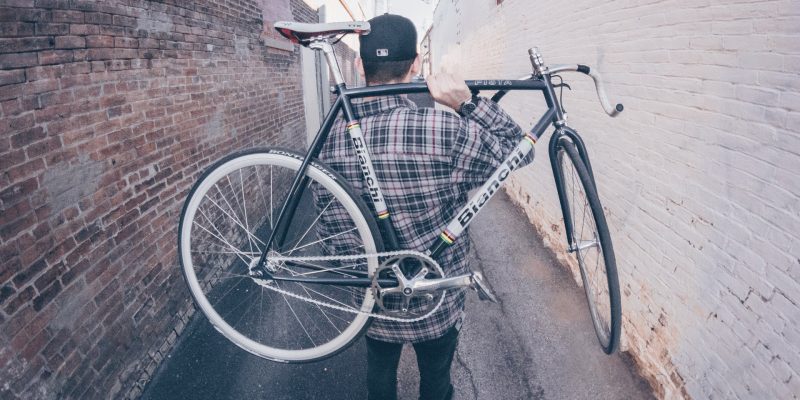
[(305, 33)]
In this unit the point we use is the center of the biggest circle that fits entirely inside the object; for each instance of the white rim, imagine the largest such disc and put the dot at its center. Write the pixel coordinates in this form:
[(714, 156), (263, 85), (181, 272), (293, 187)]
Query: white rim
[(219, 323)]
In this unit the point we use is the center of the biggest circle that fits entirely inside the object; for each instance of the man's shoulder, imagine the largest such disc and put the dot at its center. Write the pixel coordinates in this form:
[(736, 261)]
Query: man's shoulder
[(430, 115)]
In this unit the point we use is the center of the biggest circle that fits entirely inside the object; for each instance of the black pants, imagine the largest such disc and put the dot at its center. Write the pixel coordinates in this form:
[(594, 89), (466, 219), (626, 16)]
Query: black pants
[(434, 359)]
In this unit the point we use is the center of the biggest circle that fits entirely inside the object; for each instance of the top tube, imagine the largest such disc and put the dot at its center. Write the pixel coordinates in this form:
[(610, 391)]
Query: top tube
[(404, 88)]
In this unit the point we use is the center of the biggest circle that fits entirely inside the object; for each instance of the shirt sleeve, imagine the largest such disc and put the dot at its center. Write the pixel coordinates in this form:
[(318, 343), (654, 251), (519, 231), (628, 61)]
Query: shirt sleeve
[(484, 138)]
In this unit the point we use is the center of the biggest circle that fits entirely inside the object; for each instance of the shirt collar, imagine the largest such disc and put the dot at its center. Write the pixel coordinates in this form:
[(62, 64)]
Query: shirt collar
[(377, 105)]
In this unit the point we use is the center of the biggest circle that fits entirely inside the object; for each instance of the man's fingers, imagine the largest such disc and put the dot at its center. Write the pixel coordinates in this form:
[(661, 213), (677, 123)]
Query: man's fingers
[(436, 85), (447, 89)]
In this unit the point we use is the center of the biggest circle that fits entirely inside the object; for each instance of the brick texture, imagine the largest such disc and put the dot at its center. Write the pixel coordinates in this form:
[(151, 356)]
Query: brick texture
[(109, 111), (698, 176)]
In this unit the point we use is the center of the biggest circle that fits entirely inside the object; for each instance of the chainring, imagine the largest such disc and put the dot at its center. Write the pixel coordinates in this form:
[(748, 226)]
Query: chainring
[(403, 301)]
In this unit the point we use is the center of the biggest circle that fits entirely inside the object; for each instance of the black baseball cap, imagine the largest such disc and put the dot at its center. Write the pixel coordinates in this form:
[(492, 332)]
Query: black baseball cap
[(391, 38)]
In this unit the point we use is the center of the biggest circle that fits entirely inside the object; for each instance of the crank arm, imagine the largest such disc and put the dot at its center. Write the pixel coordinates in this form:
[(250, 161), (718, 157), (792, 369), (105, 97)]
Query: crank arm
[(432, 285), (474, 280)]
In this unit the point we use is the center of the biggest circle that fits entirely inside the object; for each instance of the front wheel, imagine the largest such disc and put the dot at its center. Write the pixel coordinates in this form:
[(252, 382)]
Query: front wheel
[(225, 224), (589, 240)]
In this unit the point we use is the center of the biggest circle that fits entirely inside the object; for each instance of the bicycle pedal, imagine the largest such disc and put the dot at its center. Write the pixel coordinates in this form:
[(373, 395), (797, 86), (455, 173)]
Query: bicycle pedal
[(480, 286)]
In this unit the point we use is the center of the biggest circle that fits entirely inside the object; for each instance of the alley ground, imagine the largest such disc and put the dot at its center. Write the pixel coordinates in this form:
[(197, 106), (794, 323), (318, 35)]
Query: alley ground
[(537, 343)]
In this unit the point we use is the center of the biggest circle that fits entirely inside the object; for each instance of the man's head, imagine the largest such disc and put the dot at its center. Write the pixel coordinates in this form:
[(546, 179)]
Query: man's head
[(389, 52)]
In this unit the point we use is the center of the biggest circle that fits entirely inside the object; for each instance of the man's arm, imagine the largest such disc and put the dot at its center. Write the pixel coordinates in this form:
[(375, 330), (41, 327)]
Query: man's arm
[(484, 138)]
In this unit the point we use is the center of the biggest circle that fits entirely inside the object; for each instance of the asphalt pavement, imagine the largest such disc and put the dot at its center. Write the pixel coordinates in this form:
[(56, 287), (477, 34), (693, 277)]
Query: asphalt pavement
[(536, 343)]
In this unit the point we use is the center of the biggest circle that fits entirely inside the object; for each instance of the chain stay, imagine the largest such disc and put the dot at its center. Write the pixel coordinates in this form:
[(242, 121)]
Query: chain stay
[(351, 257)]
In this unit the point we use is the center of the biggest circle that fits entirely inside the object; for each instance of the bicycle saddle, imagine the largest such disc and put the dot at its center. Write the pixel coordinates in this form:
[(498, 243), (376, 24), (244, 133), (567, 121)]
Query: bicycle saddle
[(302, 33)]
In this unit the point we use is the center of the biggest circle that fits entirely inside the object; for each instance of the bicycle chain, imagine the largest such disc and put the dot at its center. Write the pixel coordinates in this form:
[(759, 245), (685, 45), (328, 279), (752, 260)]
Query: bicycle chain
[(354, 257)]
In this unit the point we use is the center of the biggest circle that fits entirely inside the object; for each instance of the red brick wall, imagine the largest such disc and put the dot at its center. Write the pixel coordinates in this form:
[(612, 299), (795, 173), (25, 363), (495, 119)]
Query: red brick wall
[(110, 110)]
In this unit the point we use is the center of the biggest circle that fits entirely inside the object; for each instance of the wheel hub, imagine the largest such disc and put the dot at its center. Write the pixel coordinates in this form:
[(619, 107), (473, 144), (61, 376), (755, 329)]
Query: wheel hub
[(271, 265)]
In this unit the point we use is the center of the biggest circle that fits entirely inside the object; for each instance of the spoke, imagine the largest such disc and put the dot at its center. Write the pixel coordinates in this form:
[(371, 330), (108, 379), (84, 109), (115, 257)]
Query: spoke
[(350, 291), (224, 295), (602, 305), (597, 275), (313, 320), (297, 318), (218, 235), (244, 209), (343, 320), (294, 274), (324, 239), (225, 198), (320, 310), (328, 297), (574, 201), (245, 311), (261, 323), (309, 228), (235, 220), (221, 238), (324, 269), (571, 198), (224, 251), (271, 207), (598, 271), (264, 197), (233, 217), (230, 275), (233, 195), (585, 207)]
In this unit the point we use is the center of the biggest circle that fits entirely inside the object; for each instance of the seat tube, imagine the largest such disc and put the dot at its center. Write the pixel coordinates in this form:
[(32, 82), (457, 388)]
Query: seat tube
[(359, 144), (368, 173), (330, 57)]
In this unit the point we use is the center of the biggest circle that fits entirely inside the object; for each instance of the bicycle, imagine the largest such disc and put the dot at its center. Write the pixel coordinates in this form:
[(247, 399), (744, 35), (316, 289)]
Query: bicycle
[(272, 275)]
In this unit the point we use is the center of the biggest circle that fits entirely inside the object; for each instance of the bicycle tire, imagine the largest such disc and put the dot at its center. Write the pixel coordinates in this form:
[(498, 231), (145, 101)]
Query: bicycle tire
[(600, 283), (221, 233)]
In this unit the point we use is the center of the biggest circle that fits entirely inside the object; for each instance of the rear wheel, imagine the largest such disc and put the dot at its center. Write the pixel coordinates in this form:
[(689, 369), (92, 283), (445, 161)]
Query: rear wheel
[(590, 241), (226, 221)]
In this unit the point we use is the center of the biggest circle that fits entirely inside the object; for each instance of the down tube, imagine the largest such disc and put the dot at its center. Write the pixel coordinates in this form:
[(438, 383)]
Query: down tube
[(465, 216)]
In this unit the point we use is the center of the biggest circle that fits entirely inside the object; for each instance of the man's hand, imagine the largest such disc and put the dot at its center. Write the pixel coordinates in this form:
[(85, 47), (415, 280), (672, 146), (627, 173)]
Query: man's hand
[(448, 90)]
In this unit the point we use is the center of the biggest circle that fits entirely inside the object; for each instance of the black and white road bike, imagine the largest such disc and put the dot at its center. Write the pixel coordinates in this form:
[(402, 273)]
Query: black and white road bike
[(271, 273)]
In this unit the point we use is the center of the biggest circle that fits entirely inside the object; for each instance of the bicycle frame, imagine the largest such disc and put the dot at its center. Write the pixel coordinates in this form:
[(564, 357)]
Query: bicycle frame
[(554, 115)]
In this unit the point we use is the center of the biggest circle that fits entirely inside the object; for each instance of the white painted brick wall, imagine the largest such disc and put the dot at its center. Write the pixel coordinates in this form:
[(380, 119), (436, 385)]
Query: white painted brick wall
[(700, 176)]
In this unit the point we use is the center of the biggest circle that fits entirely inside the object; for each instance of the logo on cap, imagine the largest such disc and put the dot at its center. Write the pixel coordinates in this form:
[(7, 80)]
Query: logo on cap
[(382, 52)]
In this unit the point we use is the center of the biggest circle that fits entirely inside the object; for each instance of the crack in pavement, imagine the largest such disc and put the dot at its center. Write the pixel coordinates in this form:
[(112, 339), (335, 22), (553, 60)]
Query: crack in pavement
[(535, 392), (464, 365)]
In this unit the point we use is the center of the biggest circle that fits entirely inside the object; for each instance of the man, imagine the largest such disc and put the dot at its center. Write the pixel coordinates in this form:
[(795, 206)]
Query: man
[(426, 160)]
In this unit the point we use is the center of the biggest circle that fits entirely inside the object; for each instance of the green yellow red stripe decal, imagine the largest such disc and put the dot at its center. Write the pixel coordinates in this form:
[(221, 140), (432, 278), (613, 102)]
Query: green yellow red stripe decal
[(530, 139), (383, 214), (353, 125), (447, 237)]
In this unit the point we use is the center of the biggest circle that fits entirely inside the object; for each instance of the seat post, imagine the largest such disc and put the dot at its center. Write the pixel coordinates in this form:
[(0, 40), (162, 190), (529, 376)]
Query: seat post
[(326, 48)]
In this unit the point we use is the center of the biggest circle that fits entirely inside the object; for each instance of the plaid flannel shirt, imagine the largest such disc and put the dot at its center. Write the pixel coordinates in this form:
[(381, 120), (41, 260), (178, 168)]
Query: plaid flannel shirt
[(426, 160)]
